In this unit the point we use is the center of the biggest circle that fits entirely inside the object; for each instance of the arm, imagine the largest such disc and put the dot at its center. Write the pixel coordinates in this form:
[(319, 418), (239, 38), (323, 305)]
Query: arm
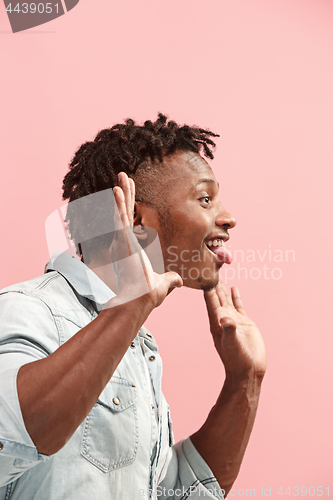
[(57, 393), (223, 438)]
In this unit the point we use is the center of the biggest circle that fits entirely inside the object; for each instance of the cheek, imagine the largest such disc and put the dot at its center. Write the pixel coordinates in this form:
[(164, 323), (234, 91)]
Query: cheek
[(191, 241), (195, 225), (196, 235), (190, 227)]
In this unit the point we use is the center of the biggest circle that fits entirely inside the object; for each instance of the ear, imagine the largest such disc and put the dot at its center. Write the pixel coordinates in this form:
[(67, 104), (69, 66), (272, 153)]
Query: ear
[(137, 218), (138, 228), (145, 215)]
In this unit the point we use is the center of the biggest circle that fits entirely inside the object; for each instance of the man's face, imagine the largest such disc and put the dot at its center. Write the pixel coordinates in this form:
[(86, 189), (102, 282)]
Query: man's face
[(194, 222)]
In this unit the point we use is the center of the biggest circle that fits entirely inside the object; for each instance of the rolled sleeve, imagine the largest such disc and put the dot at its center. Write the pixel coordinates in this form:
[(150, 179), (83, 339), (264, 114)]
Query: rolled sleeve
[(188, 475), (17, 451), (18, 347)]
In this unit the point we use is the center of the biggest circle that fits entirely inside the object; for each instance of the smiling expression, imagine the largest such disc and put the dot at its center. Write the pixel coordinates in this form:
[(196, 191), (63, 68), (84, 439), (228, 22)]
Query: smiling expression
[(194, 225)]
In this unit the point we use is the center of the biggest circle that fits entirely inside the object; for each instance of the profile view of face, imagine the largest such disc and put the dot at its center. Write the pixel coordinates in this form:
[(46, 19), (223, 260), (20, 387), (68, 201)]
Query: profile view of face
[(193, 232)]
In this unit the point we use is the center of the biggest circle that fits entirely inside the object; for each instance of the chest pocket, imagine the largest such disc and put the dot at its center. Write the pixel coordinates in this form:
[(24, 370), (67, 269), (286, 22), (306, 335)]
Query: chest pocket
[(110, 435)]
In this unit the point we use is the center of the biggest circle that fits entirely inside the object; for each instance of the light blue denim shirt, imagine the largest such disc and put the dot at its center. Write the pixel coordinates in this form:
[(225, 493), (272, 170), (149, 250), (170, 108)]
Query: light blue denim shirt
[(123, 450)]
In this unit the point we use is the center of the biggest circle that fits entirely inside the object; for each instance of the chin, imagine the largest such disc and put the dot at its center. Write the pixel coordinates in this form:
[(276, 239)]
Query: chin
[(209, 286), (202, 284)]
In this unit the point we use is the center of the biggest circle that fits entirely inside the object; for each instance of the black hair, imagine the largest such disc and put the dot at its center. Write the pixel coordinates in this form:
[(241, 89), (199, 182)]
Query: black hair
[(131, 148)]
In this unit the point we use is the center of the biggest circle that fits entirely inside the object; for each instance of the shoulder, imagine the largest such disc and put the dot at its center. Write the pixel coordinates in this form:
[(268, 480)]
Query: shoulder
[(50, 290), (32, 285)]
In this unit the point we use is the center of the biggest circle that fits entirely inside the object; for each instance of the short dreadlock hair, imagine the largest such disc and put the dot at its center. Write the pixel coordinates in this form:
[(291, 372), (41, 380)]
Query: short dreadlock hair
[(137, 150)]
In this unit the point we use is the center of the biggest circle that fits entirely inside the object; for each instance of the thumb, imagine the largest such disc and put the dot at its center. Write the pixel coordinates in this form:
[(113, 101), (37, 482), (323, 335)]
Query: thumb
[(228, 325), (172, 280)]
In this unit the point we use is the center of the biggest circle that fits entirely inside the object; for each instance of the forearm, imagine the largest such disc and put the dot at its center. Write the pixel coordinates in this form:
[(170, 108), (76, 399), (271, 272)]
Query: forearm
[(57, 392), (223, 438)]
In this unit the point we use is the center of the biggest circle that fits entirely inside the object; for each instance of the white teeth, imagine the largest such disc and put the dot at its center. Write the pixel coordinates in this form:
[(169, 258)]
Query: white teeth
[(216, 243)]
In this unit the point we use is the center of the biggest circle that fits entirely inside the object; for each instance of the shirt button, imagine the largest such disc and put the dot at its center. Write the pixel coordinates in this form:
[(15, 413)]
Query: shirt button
[(151, 358), (132, 345), (116, 401), (1, 445)]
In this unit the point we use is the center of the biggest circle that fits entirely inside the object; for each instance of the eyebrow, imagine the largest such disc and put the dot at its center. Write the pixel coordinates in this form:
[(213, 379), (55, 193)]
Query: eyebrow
[(209, 181)]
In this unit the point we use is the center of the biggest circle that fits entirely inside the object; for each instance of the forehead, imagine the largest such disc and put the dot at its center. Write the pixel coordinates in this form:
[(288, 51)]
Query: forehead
[(187, 169)]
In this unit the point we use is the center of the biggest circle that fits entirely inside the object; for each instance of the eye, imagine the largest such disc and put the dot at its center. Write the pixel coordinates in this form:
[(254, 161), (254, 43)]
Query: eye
[(205, 200)]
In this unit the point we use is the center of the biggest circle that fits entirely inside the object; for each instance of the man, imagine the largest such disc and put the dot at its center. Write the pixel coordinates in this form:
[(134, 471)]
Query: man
[(83, 415)]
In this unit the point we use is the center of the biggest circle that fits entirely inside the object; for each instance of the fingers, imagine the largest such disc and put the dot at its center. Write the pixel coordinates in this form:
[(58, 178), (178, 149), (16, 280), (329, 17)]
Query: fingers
[(237, 301), (123, 195), (121, 205), (128, 188), (224, 294), (213, 302), (132, 189), (172, 280), (218, 296)]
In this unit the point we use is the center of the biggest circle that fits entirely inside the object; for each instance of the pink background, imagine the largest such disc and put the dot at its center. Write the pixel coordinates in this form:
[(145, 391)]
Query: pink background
[(259, 72)]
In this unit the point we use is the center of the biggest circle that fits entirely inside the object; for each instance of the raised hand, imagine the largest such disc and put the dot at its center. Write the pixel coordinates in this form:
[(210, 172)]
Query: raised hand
[(135, 275), (236, 337)]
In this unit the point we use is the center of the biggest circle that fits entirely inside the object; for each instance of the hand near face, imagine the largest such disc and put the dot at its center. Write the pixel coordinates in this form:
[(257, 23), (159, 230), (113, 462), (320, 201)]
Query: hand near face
[(135, 275), (237, 339)]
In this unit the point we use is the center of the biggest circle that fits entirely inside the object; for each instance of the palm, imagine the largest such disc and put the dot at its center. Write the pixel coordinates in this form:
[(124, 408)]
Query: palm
[(135, 276), (236, 337)]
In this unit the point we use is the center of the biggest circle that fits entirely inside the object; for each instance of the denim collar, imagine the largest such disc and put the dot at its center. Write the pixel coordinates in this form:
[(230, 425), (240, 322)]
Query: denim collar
[(87, 284), (82, 279)]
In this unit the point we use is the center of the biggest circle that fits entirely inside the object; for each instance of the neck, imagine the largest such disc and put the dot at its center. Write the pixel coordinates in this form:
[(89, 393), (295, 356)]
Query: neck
[(102, 267)]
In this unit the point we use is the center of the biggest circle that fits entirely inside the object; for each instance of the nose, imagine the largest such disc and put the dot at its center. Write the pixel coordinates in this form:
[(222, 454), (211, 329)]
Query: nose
[(225, 219)]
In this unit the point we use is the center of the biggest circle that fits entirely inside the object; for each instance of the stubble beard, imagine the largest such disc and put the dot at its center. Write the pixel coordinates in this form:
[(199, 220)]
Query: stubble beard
[(166, 235)]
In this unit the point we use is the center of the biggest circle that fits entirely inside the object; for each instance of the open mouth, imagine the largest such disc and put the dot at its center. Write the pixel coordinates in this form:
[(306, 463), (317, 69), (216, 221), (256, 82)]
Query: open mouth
[(217, 247)]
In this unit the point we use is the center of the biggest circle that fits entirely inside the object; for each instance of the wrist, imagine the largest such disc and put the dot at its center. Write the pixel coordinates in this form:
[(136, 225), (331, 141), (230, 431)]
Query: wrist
[(248, 381), (139, 307)]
